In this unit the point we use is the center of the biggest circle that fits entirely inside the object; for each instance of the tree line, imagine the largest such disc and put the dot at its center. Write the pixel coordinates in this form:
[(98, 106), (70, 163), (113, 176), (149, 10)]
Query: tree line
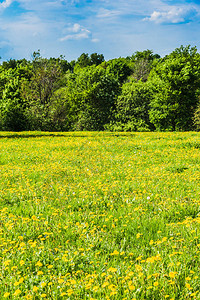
[(142, 92)]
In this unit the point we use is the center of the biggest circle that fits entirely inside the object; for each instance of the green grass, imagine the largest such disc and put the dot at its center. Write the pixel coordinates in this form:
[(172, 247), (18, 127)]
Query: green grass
[(87, 215)]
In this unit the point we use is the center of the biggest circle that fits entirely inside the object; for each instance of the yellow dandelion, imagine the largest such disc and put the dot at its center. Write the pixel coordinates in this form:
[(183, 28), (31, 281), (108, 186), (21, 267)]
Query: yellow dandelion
[(43, 284), (95, 288), (6, 295), (138, 268), (50, 267), (60, 281), (138, 235), (156, 283), (22, 262), (105, 284), (16, 283), (112, 270), (70, 292), (43, 295), (40, 273), (115, 252), (172, 274), (188, 278), (17, 292), (188, 286), (28, 297), (7, 262), (131, 287), (39, 264)]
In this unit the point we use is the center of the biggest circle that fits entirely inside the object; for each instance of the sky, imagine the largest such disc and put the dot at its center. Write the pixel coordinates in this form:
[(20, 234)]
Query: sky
[(114, 28)]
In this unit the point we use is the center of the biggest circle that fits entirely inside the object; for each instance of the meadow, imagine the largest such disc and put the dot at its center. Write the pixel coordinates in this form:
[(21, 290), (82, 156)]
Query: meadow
[(88, 215)]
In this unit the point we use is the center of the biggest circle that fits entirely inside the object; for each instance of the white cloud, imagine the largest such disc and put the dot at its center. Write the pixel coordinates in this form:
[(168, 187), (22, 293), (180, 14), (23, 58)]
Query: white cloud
[(95, 40), (107, 13), (173, 15), (5, 4), (77, 33), (75, 28)]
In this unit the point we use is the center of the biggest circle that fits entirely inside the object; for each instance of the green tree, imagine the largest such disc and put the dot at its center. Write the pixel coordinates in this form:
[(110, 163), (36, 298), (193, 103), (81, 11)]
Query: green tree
[(12, 104), (96, 59), (47, 77), (120, 68), (83, 60), (90, 93), (132, 108), (12, 107), (176, 79), (143, 63)]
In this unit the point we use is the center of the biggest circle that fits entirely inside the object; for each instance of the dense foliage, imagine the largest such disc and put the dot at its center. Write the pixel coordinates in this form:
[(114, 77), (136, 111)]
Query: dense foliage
[(142, 92)]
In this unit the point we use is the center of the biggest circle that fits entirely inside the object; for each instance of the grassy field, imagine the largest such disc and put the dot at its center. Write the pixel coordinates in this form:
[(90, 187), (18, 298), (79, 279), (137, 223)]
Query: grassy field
[(100, 216)]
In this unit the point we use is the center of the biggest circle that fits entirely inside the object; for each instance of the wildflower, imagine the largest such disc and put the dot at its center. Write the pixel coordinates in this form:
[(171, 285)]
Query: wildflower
[(112, 270), (16, 283), (131, 287), (35, 288), (63, 294), (43, 295), (188, 278), (70, 292), (138, 268), (95, 288), (28, 297), (43, 284), (22, 262), (151, 259), (7, 262), (115, 252), (6, 295), (138, 235), (17, 292), (172, 274), (60, 281), (50, 267), (39, 264), (105, 284), (188, 286), (73, 281), (40, 273), (156, 283)]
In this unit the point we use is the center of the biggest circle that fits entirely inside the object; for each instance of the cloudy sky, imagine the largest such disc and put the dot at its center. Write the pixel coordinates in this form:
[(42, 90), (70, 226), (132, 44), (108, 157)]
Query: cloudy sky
[(111, 27)]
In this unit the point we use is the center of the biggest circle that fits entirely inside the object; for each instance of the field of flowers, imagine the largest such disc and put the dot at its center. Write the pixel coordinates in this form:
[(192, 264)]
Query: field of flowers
[(100, 216)]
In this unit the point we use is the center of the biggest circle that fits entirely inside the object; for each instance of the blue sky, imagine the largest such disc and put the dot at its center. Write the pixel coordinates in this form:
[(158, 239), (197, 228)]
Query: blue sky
[(111, 27)]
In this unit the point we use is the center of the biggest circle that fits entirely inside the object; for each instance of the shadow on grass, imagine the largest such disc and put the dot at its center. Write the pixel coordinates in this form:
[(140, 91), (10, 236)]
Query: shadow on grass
[(16, 135), (64, 134)]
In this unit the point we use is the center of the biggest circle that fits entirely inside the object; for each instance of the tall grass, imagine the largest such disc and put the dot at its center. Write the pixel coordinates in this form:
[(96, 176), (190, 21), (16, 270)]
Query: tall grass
[(100, 216)]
